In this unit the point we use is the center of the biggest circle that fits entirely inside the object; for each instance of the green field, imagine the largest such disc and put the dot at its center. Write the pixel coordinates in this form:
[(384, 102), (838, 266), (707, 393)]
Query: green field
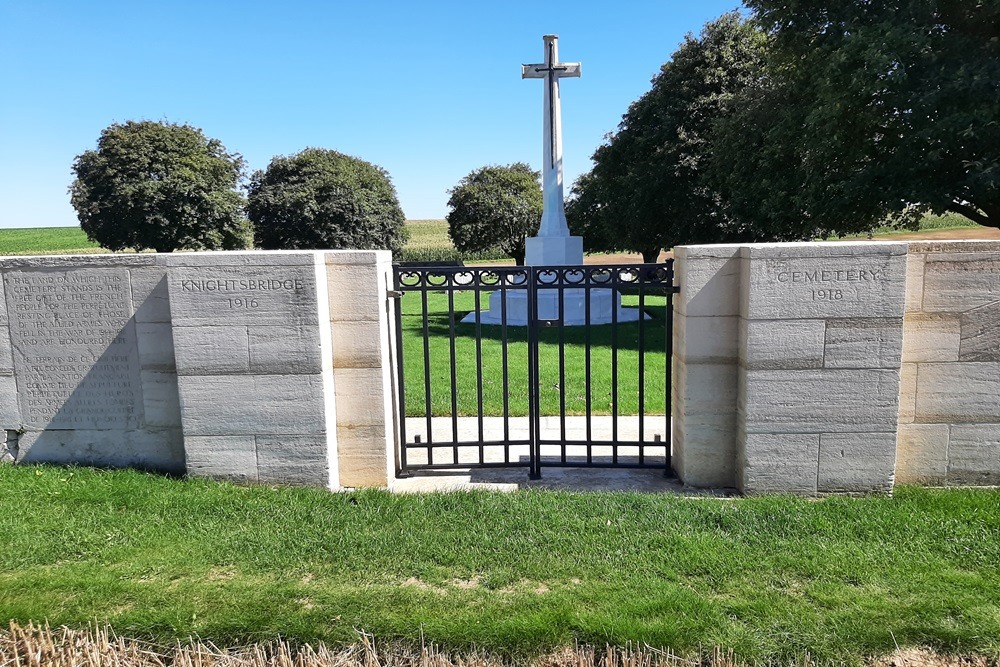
[(428, 239), (46, 241), (771, 578)]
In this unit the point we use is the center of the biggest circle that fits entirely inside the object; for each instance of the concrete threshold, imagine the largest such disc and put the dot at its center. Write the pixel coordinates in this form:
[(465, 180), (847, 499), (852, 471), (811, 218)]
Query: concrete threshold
[(443, 430)]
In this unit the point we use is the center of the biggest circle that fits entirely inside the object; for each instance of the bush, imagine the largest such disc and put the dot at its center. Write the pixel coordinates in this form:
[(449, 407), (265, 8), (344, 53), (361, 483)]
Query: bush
[(324, 199), (162, 186), (494, 208)]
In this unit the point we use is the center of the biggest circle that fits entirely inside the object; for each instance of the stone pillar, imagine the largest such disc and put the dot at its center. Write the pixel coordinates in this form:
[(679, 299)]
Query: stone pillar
[(706, 315), (820, 338), (253, 374), (949, 413), (362, 324)]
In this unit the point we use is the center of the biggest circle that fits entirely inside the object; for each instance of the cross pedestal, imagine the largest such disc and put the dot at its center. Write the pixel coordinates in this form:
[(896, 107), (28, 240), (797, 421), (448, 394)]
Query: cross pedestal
[(553, 250), (602, 303)]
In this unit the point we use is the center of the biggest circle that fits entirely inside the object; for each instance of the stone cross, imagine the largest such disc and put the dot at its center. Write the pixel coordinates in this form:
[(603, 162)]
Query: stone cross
[(553, 215)]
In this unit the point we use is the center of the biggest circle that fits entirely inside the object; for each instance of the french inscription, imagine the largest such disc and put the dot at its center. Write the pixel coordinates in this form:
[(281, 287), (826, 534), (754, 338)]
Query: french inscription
[(75, 354)]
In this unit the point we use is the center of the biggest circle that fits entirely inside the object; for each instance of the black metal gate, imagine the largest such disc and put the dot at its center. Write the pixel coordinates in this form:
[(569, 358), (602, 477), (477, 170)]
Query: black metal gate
[(534, 366)]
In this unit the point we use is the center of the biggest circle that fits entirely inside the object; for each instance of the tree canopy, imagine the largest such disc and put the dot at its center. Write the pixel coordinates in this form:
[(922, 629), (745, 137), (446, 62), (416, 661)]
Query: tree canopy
[(868, 111), (649, 187), (495, 207), (160, 185), (320, 198)]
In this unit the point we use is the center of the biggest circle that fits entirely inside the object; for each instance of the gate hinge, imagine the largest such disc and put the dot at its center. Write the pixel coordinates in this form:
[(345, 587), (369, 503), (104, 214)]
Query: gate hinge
[(394, 294)]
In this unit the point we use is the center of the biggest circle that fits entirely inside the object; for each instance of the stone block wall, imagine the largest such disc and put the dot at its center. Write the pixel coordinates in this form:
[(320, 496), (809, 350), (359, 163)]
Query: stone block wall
[(705, 364), (819, 352), (949, 416), (852, 367), (218, 364)]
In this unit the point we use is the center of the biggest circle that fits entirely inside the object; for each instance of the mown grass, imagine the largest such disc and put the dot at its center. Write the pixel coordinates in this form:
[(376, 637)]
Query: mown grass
[(572, 388), (772, 578), (46, 241)]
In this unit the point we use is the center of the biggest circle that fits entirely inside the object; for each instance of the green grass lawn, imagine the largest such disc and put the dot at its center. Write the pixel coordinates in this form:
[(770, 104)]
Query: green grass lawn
[(46, 241), (772, 578), (574, 389)]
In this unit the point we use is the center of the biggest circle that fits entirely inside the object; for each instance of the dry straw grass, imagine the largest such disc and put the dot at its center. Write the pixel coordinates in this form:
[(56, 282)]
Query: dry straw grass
[(40, 646)]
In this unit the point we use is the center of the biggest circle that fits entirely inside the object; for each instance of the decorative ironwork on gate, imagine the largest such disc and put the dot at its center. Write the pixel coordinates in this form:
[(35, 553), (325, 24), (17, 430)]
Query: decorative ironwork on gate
[(528, 366)]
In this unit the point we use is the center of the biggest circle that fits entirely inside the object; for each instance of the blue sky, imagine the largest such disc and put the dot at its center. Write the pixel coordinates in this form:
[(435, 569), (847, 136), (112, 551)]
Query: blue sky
[(428, 90)]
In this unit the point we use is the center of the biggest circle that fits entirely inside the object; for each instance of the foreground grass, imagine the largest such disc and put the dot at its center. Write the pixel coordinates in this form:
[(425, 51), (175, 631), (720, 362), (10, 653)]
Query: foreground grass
[(515, 574)]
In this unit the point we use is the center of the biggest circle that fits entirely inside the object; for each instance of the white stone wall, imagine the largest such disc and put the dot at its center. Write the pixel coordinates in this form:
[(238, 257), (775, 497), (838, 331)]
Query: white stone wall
[(705, 358), (857, 365), (218, 364), (949, 413), (787, 366)]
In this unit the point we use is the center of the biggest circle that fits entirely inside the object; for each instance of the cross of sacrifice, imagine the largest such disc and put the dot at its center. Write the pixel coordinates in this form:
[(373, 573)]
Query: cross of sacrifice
[(553, 218)]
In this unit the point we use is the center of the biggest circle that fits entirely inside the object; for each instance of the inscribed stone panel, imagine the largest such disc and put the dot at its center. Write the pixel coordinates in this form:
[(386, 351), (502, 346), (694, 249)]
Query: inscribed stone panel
[(74, 348), (247, 295), (816, 287)]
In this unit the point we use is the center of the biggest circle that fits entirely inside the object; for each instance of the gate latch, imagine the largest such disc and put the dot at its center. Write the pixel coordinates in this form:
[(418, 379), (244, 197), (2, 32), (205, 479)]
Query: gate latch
[(548, 323)]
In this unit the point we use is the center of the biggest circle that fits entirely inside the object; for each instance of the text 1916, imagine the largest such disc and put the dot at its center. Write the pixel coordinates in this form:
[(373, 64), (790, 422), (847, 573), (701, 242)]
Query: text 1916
[(242, 303)]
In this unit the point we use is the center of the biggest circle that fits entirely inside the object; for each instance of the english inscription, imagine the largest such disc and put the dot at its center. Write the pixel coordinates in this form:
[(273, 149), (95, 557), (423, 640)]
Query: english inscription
[(75, 354), (821, 285), (242, 295)]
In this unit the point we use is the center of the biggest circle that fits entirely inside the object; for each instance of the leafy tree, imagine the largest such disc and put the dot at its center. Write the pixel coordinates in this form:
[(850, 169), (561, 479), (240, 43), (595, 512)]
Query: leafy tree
[(320, 198), (495, 207), (162, 186), (649, 188), (870, 110)]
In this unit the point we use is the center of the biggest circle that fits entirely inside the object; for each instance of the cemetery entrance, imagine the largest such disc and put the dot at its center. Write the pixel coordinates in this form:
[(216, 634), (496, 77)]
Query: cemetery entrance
[(534, 366)]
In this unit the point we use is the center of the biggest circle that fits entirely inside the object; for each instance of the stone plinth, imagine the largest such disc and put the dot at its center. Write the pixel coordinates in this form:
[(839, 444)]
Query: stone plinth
[(603, 304), (553, 250)]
